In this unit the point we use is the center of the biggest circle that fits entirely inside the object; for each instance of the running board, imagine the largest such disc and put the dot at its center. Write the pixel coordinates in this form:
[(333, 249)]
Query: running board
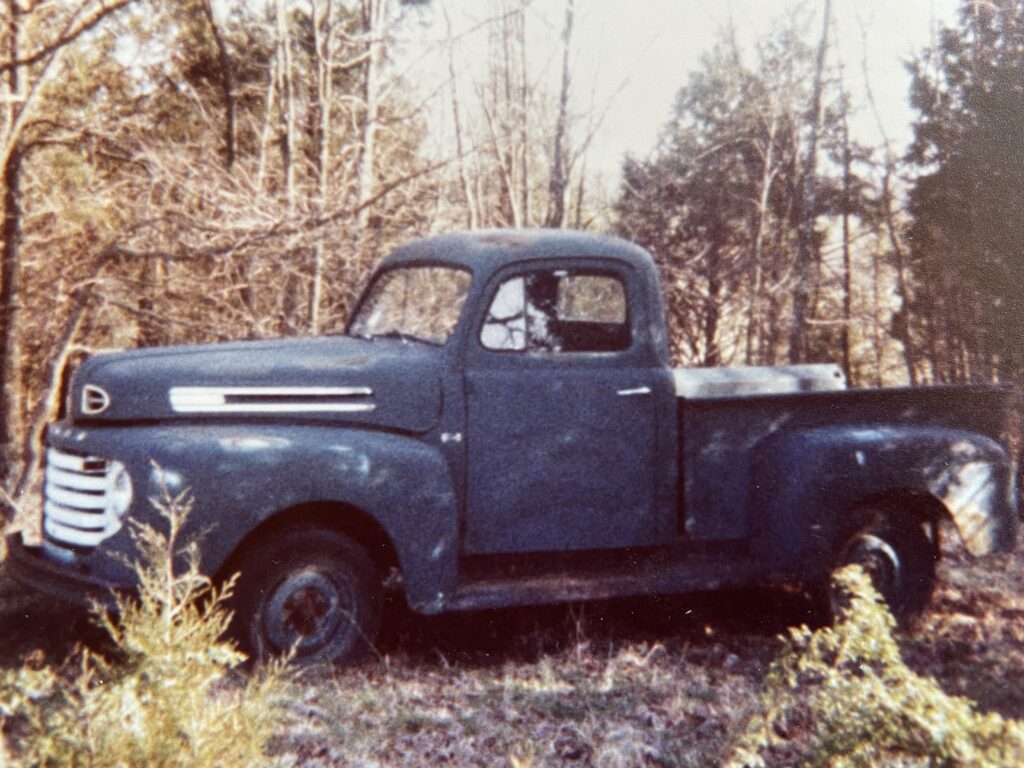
[(568, 587)]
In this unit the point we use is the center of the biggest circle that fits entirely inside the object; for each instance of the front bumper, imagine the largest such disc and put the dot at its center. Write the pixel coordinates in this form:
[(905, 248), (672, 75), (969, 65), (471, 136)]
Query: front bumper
[(65, 582)]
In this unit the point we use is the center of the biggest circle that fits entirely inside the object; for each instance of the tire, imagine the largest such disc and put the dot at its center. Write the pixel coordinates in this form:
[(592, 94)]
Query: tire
[(314, 591), (900, 558)]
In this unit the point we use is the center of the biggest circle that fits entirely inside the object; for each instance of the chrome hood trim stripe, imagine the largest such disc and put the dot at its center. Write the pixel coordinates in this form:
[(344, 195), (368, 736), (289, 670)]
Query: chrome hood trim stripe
[(270, 399)]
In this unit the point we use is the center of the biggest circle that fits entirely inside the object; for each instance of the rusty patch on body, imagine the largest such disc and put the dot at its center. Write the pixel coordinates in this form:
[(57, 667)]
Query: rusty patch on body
[(511, 241), (969, 485)]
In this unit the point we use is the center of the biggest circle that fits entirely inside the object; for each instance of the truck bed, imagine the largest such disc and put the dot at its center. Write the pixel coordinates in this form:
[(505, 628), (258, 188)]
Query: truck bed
[(719, 437)]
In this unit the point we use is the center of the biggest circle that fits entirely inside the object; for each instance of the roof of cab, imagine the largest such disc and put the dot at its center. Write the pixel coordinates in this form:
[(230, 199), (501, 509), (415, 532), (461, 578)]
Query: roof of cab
[(488, 250)]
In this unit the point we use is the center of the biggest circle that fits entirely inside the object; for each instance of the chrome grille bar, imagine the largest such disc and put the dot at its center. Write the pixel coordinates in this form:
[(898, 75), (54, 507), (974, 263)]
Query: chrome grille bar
[(82, 464), (73, 536), (74, 499), (76, 481), (75, 512), (84, 520)]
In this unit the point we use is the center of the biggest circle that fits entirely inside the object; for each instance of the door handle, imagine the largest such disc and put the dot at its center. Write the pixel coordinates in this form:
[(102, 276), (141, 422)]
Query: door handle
[(635, 391)]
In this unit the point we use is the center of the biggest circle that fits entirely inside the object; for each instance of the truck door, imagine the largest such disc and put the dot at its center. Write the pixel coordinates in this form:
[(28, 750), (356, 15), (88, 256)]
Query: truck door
[(561, 414)]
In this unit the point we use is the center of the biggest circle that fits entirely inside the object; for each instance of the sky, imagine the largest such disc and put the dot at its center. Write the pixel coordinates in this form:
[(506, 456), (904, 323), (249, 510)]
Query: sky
[(630, 58)]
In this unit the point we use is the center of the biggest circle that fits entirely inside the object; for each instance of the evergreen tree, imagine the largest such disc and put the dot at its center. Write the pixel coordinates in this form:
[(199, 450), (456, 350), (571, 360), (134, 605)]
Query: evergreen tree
[(967, 204)]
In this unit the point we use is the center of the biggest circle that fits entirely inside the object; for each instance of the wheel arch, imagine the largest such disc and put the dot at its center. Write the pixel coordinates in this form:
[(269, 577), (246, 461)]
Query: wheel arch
[(906, 506), (341, 517)]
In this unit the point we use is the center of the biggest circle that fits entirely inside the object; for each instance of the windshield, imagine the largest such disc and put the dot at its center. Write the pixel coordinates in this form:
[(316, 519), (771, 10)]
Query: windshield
[(421, 303)]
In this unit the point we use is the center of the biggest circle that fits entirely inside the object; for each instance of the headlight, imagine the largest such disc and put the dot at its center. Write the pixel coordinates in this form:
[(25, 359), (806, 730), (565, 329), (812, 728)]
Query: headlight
[(119, 490)]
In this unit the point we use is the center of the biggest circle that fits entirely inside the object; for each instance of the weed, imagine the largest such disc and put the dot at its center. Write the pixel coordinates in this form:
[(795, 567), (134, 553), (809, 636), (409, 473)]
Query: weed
[(168, 698), (843, 697)]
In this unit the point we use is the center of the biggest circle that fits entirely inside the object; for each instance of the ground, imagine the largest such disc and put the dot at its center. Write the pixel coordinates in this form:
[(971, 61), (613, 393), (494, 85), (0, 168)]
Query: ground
[(648, 682)]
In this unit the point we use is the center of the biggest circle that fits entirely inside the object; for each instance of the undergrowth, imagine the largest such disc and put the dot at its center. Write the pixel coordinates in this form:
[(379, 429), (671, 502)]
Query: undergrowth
[(167, 695), (843, 697)]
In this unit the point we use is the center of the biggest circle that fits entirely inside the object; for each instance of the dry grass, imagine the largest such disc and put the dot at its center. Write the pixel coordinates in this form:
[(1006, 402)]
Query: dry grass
[(972, 639), (649, 682), (640, 704)]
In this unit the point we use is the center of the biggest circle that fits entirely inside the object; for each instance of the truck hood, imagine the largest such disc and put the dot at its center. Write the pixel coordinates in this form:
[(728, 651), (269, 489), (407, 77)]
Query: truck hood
[(382, 382)]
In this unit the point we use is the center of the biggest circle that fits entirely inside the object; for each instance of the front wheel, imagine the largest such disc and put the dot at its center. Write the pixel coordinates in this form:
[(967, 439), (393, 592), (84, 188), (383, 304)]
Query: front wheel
[(899, 557), (312, 592)]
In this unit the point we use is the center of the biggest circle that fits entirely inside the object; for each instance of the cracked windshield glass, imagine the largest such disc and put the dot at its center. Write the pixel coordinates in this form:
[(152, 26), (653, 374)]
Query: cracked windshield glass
[(421, 303)]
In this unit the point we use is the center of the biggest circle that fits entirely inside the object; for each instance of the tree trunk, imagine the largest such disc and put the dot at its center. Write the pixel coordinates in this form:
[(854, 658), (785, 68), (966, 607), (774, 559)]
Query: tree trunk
[(754, 309), (266, 129), (287, 105), (901, 324), (805, 231), (226, 86), (375, 14), (847, 278), (524, 117), (10, 364), (472, 217), (712, 354), (49, 404), (558, 181), (322, 34)]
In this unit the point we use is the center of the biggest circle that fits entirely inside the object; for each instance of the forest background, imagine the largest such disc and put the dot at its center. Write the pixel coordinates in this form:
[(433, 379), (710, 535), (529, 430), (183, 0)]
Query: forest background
[(179, 171)]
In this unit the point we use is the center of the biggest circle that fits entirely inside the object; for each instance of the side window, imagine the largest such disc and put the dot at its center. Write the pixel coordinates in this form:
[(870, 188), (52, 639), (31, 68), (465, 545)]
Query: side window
[(558, 311)]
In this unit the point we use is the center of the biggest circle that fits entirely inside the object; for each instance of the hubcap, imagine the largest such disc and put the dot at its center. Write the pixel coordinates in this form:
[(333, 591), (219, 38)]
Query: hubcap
[(881, 562), (306, 611)]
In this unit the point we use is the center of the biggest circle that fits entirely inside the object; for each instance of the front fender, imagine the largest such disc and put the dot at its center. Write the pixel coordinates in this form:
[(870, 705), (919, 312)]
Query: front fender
[(806, 483), (242, 475)]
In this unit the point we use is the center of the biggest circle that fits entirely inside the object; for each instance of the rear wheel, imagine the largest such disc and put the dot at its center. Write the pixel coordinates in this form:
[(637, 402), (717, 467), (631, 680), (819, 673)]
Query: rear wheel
[(312, 591), (899, 557)]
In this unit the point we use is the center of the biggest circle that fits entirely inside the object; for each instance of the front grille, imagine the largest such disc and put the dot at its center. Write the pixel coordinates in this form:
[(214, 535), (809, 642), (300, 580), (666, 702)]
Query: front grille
[(75, 516)]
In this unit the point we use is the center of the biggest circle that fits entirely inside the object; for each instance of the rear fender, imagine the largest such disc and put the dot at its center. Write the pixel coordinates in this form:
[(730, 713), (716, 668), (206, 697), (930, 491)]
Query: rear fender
[(807, 483)]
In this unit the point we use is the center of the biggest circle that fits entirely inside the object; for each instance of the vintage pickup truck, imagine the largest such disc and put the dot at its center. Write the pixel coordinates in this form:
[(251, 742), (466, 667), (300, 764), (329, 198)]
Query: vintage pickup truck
[(500, 425)]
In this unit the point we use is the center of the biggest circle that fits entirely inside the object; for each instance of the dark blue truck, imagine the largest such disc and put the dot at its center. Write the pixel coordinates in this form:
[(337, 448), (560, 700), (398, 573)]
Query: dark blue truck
[(500, 425)]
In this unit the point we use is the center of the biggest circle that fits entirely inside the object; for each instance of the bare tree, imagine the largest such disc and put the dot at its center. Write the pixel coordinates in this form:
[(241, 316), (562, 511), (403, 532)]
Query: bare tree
[(28, 65)]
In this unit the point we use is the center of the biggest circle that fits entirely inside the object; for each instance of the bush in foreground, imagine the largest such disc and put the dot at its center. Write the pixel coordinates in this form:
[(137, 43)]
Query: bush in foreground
[(842, 697), (169, 698)]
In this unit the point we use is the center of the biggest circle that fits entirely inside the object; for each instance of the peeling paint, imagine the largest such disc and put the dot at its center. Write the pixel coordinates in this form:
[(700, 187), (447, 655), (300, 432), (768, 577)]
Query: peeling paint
[(253, 443), (435, 605), (968, 490), (353, 462), (167, 478)]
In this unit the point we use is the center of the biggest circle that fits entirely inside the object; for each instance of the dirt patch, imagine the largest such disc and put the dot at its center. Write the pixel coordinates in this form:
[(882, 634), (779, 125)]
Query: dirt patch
[(37, 627), (972, 639)]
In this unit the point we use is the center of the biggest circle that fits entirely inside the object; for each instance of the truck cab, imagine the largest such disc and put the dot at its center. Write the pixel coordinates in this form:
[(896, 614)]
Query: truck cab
[(499, 424), (558, 369)]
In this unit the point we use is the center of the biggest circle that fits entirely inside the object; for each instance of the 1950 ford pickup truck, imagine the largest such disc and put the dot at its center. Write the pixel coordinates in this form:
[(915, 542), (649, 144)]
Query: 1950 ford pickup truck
[(500, 425)]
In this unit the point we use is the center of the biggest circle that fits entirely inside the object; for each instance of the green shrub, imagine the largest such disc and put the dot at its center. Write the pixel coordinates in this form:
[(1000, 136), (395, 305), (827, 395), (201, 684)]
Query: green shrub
[(169, 698), (842, 697)]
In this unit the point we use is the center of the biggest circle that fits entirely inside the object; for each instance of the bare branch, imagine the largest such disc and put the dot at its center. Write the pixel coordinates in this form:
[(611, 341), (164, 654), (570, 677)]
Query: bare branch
[(71, 32)]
